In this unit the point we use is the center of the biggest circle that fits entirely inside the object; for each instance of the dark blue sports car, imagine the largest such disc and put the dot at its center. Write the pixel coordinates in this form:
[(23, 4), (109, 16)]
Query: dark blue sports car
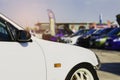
[(113, 44), (100, 33), (100, 42), (84, 39)]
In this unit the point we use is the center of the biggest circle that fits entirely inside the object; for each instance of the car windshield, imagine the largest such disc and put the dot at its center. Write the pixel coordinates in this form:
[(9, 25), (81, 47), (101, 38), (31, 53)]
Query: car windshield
[(80, 32), (90, 31), (114, 32), (103, 31), (98, 32)]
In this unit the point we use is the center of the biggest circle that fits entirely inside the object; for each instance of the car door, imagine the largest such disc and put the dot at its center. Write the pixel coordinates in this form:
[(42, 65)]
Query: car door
[(19, 60)]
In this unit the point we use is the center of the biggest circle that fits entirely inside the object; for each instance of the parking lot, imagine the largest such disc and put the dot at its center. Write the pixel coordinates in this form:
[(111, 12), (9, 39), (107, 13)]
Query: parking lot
[(110, 68)]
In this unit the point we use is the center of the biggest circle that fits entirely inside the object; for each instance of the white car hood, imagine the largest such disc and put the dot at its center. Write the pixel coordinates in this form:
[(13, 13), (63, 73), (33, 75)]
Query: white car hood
[(54, 50)]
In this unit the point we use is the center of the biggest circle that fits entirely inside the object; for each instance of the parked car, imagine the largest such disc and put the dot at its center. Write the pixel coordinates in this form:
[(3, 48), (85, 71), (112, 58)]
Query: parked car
[(113, 43), (73, 38), (25, 57), (100, 33), (100, 42), (56, 38), (84, 39)]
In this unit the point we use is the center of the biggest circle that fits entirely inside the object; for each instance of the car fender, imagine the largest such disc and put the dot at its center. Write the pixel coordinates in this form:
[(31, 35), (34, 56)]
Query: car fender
[(65, 57)]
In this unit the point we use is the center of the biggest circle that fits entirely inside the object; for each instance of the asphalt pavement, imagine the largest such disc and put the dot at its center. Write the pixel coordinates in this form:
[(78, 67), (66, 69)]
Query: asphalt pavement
[(110, 64)]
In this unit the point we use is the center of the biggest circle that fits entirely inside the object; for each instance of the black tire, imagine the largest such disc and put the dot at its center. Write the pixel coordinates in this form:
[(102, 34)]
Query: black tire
[(85, 71)]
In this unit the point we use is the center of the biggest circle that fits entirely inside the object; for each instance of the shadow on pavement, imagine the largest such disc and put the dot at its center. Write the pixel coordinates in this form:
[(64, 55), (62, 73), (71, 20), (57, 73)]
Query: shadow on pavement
[(111, 67)]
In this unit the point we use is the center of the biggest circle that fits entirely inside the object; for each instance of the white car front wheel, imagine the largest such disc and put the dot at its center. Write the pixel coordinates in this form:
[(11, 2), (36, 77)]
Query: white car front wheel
[(82, 72)]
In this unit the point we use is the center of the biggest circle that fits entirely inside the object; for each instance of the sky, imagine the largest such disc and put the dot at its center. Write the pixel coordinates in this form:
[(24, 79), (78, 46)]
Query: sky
[(29, 12)]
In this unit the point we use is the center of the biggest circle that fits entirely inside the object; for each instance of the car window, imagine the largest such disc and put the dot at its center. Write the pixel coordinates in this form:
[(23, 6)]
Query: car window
[(99, 31), (91, 31), (114, 32), (103, 31), (4, 35), (12, 30), (78, 32)]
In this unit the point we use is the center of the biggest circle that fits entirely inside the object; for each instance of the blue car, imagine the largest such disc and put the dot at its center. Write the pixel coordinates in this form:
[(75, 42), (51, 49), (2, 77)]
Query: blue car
[(100, 42), (113, 44), (84, 39), (73, 38), (100, 33)]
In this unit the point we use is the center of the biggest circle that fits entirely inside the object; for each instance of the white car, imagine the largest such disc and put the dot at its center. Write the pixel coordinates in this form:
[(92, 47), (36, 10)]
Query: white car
[(70, 40), (25, 57), (73, 38)]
